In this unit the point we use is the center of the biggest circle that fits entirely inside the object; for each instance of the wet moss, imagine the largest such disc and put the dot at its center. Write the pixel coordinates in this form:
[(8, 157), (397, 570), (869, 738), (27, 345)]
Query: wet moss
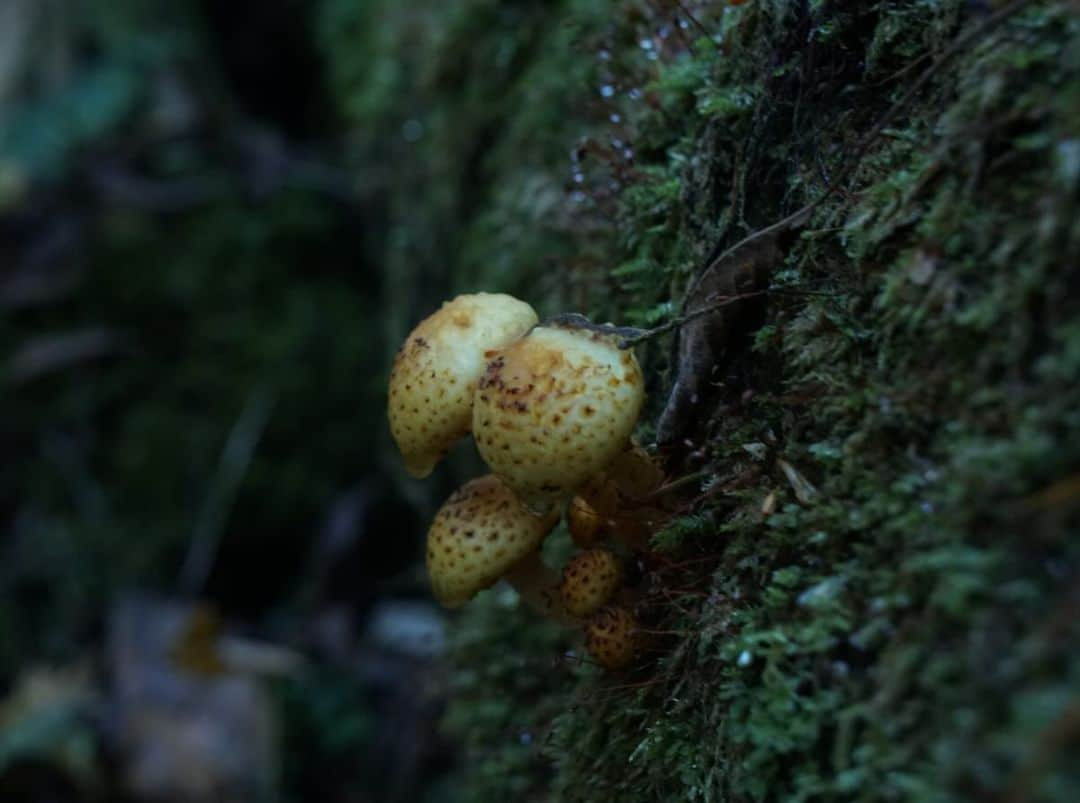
[(898, 627)]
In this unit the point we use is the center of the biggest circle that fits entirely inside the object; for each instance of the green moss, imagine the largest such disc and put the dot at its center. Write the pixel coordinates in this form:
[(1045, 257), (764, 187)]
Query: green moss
[(901, 634)]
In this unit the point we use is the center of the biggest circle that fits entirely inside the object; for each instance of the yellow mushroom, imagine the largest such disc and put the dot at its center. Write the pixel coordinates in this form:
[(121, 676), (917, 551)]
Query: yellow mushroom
[(586, 525), (433, 381), (601, 494), (612, 637), (590, 581), (483, 533), (554, 408), (616, 502), (635, 473)]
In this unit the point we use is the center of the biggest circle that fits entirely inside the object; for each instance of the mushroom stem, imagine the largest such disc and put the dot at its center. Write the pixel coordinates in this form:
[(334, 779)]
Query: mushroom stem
[(538, 585)]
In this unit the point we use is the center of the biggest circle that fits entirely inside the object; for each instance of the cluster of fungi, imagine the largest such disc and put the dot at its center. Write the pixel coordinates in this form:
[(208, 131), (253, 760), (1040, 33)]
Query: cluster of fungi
[(551, 408)]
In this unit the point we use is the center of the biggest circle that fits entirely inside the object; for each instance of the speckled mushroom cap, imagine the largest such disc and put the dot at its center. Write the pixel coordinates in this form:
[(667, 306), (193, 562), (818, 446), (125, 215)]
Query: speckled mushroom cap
[(553, 408), (611, 637), (434, 377), (590, 580), (479, 533)]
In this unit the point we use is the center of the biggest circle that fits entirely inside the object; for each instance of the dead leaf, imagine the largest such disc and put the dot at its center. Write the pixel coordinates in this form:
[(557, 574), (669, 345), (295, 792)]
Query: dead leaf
[(804, 490)]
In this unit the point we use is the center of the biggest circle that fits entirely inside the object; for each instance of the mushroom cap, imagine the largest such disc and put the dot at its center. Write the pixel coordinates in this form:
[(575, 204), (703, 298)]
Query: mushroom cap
[(479, 533), (601, 494), (611, 637), (553, 408), (635, 473), (586, 526), (590, 580), (433, 381)]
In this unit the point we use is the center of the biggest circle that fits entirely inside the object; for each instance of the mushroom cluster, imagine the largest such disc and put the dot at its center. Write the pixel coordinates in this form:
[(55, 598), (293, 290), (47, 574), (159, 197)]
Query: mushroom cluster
[(551, 408)]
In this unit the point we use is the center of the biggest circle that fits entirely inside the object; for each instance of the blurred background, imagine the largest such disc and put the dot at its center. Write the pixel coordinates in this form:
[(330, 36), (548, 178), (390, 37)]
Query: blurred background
[(217, 220)]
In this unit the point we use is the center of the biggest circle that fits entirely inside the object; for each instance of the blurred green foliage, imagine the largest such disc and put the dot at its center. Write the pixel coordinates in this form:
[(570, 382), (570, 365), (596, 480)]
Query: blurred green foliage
[(225, 266), (223, 290), (328, 734)]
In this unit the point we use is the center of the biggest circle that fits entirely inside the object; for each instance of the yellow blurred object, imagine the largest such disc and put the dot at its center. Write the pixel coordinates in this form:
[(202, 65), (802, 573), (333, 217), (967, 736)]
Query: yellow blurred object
[(196, 648), (203, 648)]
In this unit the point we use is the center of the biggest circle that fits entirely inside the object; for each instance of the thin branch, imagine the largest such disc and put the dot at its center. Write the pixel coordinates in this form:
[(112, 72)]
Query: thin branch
[(696, 23), (675, 323), (675, 484), (233, 466), (572, 320)]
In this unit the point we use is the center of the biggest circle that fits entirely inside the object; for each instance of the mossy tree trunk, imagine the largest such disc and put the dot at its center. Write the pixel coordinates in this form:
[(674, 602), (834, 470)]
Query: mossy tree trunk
[(873, 594)]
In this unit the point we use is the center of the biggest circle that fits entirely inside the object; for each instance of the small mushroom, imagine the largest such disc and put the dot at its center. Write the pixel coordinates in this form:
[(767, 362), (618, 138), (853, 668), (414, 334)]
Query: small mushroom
[(586, 525), (554, 408), (590, 581), (635, 473), (601, 494), (483, 533), (612, 637), (433, 381), (617, 502)]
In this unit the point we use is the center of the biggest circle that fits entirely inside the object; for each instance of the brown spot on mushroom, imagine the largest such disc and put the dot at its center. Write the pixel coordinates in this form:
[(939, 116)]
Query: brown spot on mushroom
[(612, 637), (500, 532), (574, 368), (590, 581), (432, 382)]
